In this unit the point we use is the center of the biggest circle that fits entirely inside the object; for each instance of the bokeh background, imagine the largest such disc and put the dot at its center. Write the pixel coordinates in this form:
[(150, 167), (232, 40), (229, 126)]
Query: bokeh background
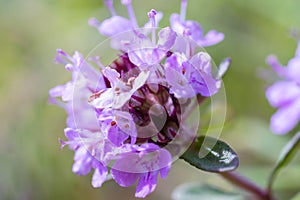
[(32, 166)]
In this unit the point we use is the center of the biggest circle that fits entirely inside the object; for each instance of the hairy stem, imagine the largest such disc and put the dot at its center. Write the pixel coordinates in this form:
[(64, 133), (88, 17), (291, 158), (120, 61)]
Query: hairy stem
[(247, 185)]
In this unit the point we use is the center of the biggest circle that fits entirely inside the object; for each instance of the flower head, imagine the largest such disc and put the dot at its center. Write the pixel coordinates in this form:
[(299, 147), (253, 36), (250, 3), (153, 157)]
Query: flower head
[(285, 94), (131, 116)]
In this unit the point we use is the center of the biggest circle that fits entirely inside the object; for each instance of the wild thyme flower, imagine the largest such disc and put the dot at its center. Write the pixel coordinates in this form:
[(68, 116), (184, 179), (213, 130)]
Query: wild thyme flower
[(285, 94), (181, 25), (131, 116)]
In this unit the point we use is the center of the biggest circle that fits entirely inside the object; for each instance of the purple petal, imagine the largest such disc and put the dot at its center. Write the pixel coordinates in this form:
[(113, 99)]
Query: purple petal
[(120, 99), (202, 62), (124, 179), (111, 74), (147, 160), (165, 171), (195, 29), (286, 118), (147, 148), (204, 84), (298, 50), (179, 84), (276, 65), (166, 39), (146, 57), (116, 136), (146, 184), (94, 22), (173, 62), (223, 67), (211, 38), (201, 78), (105, 100), (84, 119), (83, 162), (293, 69), (71, 134), (114, 26), (67, 94), (104, 114), (100, 175), (165, 156), (57, 91), (125, 122), (176, 24), (282, 92)]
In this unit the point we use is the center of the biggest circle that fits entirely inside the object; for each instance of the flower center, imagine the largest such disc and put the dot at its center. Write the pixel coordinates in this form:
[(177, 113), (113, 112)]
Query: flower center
[(155, 112)]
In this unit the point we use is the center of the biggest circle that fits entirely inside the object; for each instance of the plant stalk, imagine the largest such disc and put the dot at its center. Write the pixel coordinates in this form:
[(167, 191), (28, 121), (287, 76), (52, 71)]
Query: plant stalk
[(247, 185)]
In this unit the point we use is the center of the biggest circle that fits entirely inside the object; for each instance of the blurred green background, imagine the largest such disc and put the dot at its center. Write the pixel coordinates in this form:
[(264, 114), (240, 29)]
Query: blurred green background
[(32, 166)]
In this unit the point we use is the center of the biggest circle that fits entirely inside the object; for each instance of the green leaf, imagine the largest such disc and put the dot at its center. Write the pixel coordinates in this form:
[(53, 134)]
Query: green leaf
[(196, 191), (212, 155), (285, 157)]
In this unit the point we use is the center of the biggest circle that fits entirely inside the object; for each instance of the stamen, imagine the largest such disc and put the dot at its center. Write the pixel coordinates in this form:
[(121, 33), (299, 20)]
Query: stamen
[(117, 91), (151, 16), (96, 60), (69, 67), (183, 10), (61, 52), (110, 5), (189, 50), (130, 81), (95, 96), (131, 14)]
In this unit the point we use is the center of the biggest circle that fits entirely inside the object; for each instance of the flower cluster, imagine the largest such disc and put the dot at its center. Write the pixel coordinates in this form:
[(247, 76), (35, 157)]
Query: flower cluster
[(285, 94), (127, 116)]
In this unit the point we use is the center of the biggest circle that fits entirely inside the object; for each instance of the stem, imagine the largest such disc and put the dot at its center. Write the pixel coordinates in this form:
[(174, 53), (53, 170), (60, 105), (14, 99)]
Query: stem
[(151, 16), (247, 185), (132, 16), (110, 6), (183, 10)]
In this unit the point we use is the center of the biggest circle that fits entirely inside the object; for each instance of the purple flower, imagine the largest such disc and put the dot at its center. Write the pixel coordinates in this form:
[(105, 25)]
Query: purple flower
[(127, 115), (87, 146), (149, 160), (190, 77), (146, 54), (120, 28), (85, 81), (180, 25), (285, 94)]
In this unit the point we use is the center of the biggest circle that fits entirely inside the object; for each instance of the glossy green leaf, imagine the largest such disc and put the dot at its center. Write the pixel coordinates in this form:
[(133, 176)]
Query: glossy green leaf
[(212, 155), (285, 157), (196, 191)]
